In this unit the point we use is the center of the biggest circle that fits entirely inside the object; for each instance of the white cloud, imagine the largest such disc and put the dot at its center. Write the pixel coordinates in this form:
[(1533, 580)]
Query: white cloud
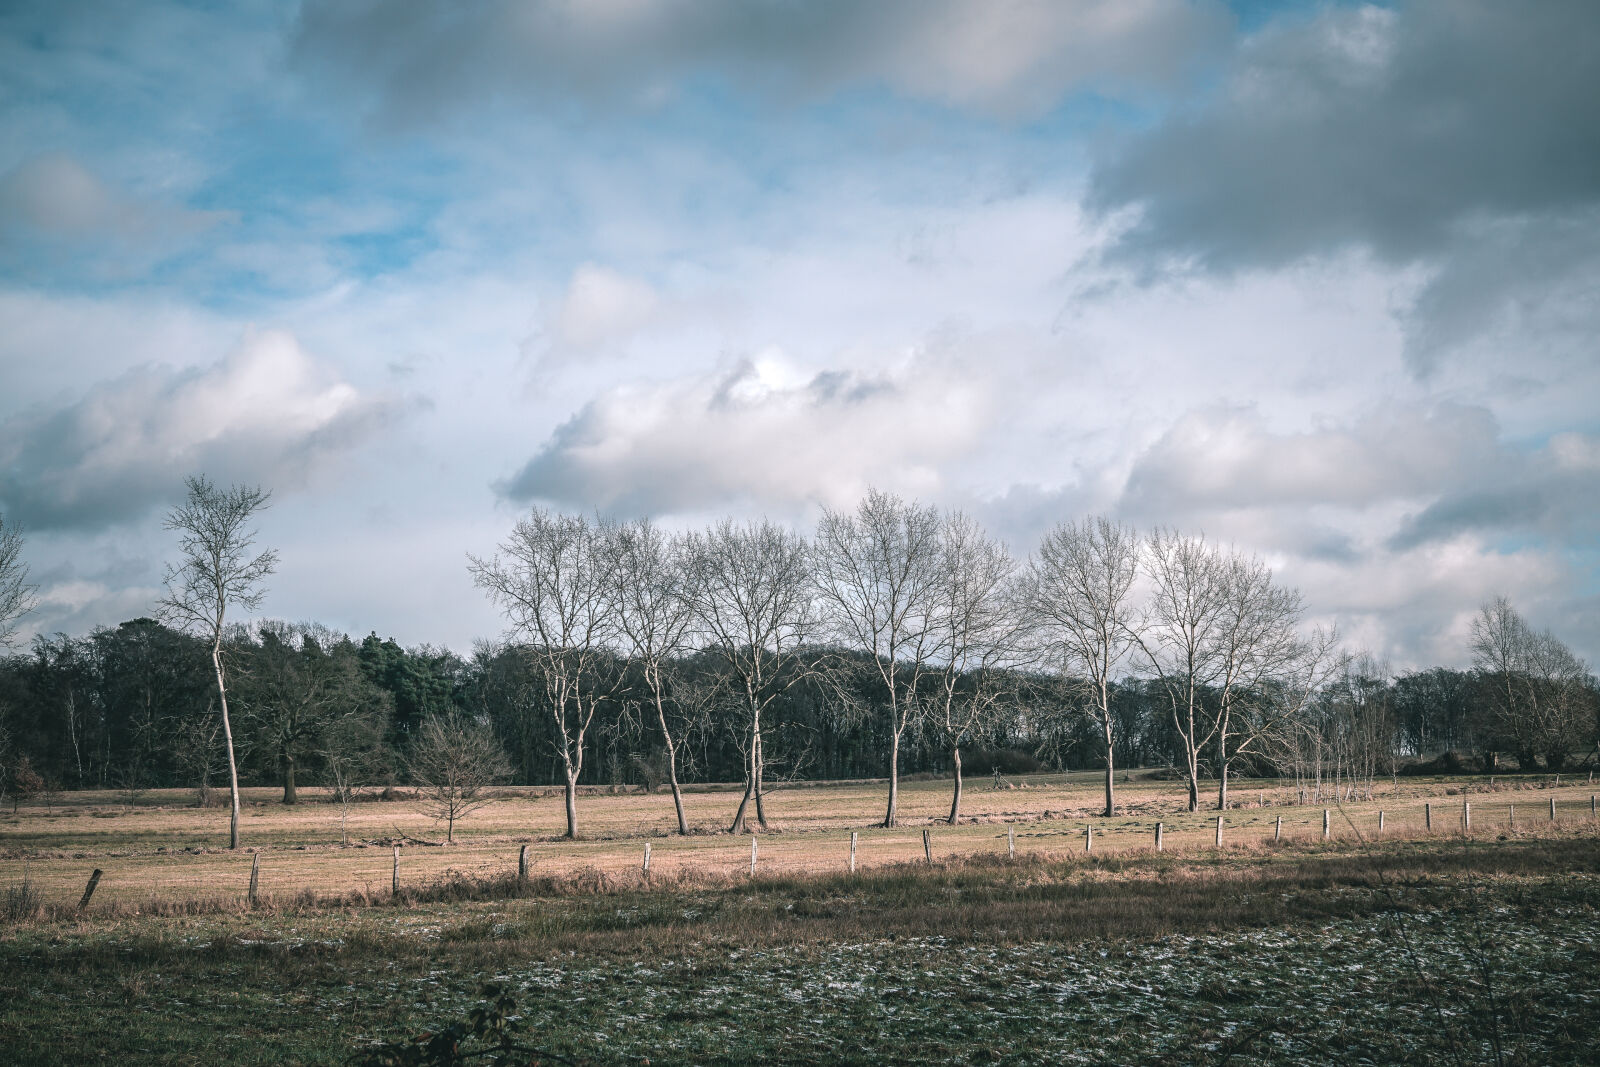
[(266, 413), (765, 432), (603, 308)]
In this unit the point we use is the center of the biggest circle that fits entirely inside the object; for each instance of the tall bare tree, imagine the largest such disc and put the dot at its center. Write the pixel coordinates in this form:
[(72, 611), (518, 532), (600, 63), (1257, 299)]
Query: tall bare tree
[(219, 570), (654, 615), (553, 579), (16, 595), (877, 573), (1178, 636), (979, 622), (1257, 653), (754, 600), (1081, 598)]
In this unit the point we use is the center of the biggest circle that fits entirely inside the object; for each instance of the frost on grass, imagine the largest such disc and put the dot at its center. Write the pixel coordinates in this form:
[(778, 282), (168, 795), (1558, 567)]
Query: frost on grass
[(1380, 989)]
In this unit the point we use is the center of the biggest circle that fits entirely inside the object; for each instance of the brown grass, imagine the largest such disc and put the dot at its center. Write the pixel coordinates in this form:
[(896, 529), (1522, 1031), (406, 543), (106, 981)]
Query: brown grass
[(161, 856)]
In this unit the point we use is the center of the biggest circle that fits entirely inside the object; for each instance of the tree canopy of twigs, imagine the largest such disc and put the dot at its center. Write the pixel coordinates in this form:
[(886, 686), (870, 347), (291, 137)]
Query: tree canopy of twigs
[(219, 570)]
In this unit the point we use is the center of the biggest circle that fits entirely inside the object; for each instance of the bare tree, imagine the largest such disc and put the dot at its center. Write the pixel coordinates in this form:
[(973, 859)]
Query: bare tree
[(654, 616), (453, 758), (16, 595), (1178, 635), (978, 619), (355, 756), (553, 580), (1540, 698), (877, 573), (753, 599), (1255, 653), (1080, 587), (218, 571)]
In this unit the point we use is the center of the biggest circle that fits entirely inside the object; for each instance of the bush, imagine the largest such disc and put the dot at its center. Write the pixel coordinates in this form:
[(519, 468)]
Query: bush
[(1005, 760), (22, 902), (1444, 763)]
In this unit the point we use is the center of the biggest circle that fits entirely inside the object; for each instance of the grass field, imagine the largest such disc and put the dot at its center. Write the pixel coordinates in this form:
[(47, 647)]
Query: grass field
[(1400, 947), (158, 848)]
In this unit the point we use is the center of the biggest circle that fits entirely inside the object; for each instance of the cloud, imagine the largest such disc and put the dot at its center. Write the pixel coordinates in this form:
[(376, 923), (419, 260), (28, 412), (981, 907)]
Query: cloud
[(1228, 457), (602, 308), (1411, 133), (763, 433), (266, 413), (1016, 57), (1424, 476), (52, 200)]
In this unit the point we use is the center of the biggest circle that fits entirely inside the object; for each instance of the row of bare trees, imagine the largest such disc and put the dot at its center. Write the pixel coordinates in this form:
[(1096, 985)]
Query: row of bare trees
[(894, 619), (952, 626)]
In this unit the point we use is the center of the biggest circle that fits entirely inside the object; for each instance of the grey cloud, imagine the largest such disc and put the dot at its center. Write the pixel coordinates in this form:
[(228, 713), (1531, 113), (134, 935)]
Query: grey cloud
[(1451, 464), (1560, 501), (1428, 134), (1370, 127), (266, 414), (53, 201), (415, 59), (1222, 458)]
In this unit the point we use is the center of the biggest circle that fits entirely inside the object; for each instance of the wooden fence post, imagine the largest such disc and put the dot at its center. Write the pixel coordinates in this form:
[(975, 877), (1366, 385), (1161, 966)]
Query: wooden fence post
[(927, 846), (1277, 831), (1591, 806), (88, 890), (1380, 820), (1011, 837), (1088, 838), (1466, 815), (752, 855), (1158, 837), (1553, 806), (853, 851), (1219, 831), (1511, 815), (1427, 816), (394, 881), (255, 876), (1327, 825), (647, 859), (522, 865)]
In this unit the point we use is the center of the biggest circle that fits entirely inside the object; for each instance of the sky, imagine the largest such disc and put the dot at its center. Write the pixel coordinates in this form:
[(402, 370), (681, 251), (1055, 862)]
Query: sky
[(1318, 280)]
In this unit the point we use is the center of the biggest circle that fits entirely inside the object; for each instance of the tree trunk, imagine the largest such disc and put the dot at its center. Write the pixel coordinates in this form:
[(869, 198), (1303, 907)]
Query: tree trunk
[(289, 796), (955, 798), (672, 764), (1111, 770), (760, 774), (894, 779), (572, 804), (744, 802), (227, 733), (1194, 781), (1222, 785)]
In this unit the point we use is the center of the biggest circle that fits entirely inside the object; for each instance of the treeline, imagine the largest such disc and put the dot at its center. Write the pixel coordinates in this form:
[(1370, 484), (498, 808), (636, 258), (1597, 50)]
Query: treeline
[(896, 639), (133, 707)]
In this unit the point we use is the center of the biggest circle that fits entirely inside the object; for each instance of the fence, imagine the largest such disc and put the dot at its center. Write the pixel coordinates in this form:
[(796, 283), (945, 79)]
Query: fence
[(374, 871)]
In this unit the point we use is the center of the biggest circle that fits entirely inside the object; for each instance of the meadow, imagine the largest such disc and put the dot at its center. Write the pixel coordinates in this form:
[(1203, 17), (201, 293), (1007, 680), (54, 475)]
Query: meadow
[(1403, 945)]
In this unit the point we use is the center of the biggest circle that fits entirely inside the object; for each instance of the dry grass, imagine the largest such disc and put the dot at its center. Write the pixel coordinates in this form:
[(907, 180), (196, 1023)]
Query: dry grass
[(161, 855)]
